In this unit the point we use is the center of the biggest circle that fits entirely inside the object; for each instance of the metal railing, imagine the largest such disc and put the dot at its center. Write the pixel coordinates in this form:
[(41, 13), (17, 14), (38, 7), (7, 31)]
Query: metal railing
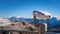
[(18, 31)]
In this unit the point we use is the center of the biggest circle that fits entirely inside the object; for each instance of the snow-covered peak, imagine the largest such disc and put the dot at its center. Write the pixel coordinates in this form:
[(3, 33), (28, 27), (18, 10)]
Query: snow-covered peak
[(58, 17), (4, 21)]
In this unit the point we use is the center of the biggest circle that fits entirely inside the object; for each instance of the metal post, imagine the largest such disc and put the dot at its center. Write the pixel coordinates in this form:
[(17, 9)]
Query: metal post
[(48, 22), (41, 29), (34, 20)]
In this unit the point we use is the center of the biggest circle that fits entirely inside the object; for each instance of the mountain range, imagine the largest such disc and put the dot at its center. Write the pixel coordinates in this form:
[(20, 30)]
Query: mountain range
[(53, 21)]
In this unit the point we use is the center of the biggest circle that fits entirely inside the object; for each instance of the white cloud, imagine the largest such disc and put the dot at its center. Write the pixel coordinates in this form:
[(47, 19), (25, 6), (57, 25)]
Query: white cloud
[(20, 16), (24, 16)]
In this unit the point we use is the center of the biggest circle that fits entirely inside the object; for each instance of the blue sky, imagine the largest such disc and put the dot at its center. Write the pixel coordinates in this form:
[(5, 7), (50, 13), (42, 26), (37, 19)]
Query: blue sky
[(26, 7)]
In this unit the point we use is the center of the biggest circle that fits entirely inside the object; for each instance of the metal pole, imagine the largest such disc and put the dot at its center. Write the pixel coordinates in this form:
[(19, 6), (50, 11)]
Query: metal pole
[(34, 20), (41, 29), (48, 22)]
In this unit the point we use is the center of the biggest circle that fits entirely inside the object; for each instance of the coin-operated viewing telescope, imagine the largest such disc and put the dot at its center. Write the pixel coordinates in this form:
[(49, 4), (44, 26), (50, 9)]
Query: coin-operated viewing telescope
[(42, 14)]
